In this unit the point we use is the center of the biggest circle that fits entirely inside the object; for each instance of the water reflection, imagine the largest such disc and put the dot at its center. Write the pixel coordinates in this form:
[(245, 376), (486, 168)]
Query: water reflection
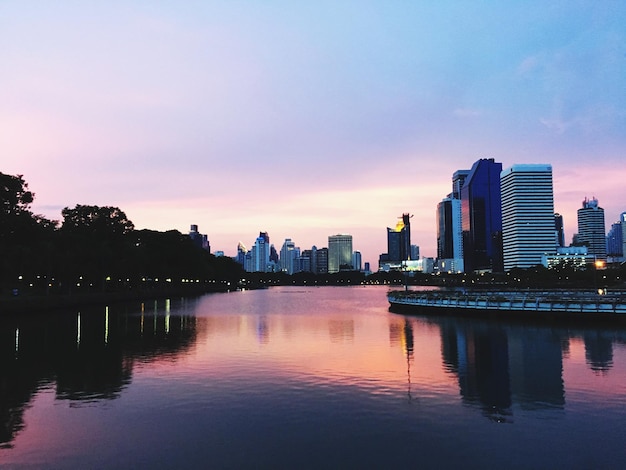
[(311, 355), (86, 357)]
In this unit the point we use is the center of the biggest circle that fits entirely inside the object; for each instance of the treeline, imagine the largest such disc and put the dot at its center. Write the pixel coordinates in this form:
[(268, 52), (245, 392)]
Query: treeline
[(96, 249)]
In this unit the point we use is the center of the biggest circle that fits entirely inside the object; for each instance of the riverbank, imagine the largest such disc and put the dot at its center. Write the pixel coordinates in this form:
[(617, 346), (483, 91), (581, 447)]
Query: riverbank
[(33, 303)]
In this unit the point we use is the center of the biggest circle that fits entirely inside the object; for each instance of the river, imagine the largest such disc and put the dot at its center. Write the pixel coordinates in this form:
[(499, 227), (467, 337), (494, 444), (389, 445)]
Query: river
[(305, 377)]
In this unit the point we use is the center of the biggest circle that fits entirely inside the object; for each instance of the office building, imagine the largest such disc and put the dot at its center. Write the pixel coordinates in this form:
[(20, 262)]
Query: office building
[(623, 223), (339, 252), (614, 241), (199, 239), (481, 217), (449, 234), (527, 215), (288, 253), (241, 254), (357, 261), (568, 257), (591, 228), (458, 180), (399, 240), (558, 229), (321, 260), (260, 254)]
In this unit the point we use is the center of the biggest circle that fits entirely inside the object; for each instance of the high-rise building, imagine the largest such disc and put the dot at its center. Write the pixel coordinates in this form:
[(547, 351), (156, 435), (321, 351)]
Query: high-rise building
[(615, 241), (527, 215), (591, 228), (288, 253), (622, 219), (199, 239), (261, 253), (558, 228), (399, 240), (356, 261), (321, 260), (449, 229), (458, 180), (241, 254), (481, 217), (339, 252)]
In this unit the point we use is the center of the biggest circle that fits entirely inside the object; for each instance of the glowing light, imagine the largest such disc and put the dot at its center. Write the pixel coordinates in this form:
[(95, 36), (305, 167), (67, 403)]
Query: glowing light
[(78, 331), (106, 325)]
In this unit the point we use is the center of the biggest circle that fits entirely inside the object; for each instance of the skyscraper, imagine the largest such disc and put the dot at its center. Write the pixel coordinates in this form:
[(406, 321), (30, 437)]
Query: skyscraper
[(615, 241), (481, 216), (241, 254), (591, 228), (558, 228), (399, 240), (199, 239), (458, 180), (357, 261), (321, 260), (449, 229), (261, 253), (622, 219), (288, 253), (527, 215), (339, 252)]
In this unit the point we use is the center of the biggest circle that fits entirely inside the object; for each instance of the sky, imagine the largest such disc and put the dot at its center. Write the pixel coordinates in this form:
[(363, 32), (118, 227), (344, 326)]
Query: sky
[(307, 119)]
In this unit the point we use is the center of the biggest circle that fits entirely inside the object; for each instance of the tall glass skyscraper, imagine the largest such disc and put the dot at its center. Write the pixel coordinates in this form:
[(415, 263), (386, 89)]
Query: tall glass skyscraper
[(399, 240), (615, 240), (591, 228), (339, 252), (449, 229), (481, 217), (528, 229)]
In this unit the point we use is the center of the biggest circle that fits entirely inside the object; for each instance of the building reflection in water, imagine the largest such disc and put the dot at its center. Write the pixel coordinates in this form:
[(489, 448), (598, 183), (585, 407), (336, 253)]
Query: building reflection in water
[(599, 350), (499, 365), (341, 330), (401, 335), (86, 356)]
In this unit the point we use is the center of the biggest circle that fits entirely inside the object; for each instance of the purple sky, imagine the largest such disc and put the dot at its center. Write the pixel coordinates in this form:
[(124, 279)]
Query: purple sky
[(306, 119)]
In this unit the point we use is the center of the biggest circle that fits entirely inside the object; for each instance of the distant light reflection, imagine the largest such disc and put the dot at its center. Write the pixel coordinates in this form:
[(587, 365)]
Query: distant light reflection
[(106, 325), (78, 331)]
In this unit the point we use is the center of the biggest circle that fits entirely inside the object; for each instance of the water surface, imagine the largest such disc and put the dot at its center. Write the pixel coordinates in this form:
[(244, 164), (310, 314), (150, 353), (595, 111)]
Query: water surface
[(297, 377)]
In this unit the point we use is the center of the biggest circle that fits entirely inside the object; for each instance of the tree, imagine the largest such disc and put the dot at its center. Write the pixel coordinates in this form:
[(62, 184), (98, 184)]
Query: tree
[(102, 223), (15, 198), (25, 239)]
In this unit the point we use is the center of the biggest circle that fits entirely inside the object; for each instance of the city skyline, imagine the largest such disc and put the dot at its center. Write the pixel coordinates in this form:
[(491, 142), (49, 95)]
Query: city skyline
[(305, 121)]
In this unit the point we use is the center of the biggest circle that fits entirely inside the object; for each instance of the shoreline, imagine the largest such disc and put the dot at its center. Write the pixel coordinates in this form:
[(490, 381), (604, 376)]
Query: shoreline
[(27, 304)]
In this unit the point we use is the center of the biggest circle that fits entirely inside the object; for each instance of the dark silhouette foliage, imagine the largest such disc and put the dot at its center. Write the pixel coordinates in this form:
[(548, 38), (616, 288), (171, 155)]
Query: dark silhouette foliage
[(96, 249)]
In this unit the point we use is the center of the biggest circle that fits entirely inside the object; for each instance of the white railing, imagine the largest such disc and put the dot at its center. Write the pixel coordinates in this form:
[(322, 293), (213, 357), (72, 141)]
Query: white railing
[(538, 301)]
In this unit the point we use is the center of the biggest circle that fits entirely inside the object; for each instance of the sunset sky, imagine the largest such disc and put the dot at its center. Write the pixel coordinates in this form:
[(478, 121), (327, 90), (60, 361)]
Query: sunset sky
[(306, 119)]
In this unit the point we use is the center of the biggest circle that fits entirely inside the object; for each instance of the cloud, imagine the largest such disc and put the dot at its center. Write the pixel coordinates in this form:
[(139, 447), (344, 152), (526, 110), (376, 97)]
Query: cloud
[(467, 112)]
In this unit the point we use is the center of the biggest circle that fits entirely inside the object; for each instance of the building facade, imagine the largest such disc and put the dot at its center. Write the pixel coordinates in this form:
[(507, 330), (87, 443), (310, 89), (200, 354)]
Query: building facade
[(399, 240), (339, 252), (591, 228), (558, 229), (288, 254), (449, 232), (481, 217), (527, 215)]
